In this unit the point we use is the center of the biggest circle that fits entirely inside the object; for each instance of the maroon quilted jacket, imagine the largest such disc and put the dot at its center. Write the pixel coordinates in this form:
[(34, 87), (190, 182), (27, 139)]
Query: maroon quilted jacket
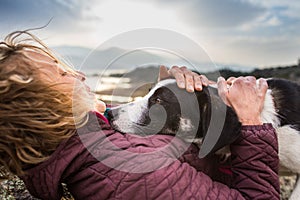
[(100, 163)]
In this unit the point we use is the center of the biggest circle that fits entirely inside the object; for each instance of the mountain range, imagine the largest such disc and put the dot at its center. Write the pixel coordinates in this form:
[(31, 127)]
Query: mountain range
[(114, 58)]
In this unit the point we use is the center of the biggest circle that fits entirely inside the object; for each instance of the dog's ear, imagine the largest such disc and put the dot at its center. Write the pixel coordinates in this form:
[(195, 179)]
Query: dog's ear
[(204, 102), (223, 126)]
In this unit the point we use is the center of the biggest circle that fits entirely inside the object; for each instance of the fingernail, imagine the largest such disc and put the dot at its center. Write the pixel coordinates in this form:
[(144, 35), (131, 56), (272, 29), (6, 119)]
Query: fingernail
[(199, 86), (220, 79), (190, 88)]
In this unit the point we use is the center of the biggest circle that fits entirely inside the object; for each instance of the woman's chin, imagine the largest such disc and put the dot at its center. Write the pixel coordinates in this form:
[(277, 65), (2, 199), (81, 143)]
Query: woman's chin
[(100, 106)]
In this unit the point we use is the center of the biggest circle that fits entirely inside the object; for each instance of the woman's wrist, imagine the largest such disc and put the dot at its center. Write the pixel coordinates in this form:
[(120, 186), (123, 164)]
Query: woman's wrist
[(250, 122)]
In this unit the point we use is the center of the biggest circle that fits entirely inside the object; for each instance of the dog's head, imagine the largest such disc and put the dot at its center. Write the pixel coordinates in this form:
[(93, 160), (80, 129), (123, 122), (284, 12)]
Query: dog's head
[(167, 109)]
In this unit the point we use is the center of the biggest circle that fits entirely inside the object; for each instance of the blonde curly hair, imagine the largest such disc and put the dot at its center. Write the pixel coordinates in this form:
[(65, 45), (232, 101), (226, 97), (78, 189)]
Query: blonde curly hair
[(35, 115)]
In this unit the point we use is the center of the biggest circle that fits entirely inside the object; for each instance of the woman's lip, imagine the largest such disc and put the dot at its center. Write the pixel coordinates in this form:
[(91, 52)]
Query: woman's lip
[(87, 88)]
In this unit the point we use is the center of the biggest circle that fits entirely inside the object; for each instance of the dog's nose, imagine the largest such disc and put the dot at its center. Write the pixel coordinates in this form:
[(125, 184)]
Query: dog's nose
[(112, 113), (109, 114)]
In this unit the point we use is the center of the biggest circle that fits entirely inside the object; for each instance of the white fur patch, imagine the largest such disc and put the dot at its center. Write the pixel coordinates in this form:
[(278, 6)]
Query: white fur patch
[(289, 151), (185, 125), (136, 110), (159, 85), (289, 147), (197, 141), (269, 114), (130, 113)]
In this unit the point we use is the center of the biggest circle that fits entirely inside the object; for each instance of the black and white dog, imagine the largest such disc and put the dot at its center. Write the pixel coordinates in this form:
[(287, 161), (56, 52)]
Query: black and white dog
[(166, 109)]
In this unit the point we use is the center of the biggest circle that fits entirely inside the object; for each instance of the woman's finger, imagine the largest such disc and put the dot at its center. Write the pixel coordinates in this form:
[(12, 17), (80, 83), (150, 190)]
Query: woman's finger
[(177, 73), (189, 79), (223, 90), (185, 78), (163, 73), (198, 82), (251, 79), (262, 85), (230, 80), (204, 80)]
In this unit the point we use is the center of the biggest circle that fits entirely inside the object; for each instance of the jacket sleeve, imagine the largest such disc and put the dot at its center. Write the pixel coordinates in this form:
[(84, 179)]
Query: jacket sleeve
[(255, 163), (176, 181)]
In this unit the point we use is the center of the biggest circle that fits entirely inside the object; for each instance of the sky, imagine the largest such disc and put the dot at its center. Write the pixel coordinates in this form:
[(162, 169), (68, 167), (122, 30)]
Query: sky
[(259, 33)]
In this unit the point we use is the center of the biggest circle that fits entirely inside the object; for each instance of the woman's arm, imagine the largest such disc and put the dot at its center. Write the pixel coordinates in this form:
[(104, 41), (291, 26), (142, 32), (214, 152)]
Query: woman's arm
[(255, 154), (254, 167), (255, 163), (180, 180)]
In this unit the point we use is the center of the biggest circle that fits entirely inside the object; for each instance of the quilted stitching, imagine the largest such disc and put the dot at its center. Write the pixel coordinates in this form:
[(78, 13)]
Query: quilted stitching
[(260, 153), (181, 179)]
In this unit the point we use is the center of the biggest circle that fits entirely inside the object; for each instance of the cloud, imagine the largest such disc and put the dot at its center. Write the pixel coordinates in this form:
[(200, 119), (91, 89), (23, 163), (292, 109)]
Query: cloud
[(238, 17), (269, 51), (66, 15), (265, 33), (215, 13), (280, 18), (289, 8), (222, 14)]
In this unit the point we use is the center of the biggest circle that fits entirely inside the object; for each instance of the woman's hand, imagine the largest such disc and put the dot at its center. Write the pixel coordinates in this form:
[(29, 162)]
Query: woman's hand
[(185, 78), (246, 96)]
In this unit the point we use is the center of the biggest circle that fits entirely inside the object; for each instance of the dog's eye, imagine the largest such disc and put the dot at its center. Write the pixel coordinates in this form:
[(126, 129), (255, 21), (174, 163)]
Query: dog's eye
[(158, 100)]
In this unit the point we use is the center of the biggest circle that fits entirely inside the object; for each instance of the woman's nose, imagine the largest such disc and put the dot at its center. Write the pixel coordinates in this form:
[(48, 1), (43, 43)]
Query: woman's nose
[(81, 76)]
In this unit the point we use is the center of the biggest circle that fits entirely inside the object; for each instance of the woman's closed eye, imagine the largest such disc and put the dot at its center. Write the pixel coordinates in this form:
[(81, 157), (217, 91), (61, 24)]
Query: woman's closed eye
[(64, 73), (79, 75)]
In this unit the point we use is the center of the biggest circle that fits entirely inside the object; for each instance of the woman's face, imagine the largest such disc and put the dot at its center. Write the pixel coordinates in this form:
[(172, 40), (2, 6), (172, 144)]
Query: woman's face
[(53, 73)]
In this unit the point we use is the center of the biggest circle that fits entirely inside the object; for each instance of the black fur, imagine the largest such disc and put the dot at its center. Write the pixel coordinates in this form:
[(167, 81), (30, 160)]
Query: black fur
[(286, 96)]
